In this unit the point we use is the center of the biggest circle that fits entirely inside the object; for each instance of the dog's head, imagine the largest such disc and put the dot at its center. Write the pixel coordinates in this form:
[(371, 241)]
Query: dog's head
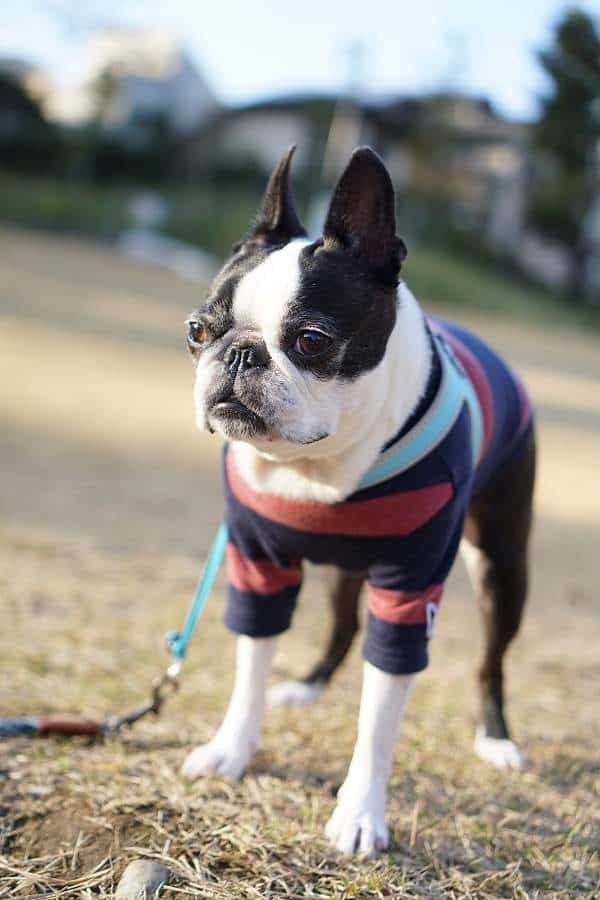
[(289, 325)]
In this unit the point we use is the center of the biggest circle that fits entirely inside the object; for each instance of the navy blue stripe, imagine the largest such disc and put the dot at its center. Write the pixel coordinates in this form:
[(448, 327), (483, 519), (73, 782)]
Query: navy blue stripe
[(486, 476), (396, 649), (411, 553), (260, 615)]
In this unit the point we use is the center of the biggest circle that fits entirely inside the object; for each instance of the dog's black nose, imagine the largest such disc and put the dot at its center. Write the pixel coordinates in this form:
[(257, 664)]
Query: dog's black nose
[(240, 357)]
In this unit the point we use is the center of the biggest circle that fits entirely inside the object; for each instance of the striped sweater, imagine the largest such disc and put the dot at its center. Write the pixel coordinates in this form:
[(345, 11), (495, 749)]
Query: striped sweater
[(404, 522)]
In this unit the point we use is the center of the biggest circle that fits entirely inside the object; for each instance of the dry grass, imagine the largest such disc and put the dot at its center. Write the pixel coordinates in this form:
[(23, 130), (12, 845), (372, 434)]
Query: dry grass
[(76, 812), (103, 525)]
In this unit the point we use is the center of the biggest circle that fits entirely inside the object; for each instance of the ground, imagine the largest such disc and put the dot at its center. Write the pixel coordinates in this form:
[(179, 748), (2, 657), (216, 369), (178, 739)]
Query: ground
[(109, 501)]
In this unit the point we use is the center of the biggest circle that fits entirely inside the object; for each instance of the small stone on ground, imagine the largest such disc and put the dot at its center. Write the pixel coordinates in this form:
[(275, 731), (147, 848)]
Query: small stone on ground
[(141, 880)]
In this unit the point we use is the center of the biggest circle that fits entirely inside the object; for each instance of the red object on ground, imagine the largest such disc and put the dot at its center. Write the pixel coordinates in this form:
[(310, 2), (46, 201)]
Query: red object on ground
[(69, 725)]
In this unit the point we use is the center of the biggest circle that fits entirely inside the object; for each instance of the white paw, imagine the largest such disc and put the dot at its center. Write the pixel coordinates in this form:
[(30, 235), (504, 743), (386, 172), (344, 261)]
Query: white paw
[(358, 827), (227, 756), (500, 752), (294, 693)]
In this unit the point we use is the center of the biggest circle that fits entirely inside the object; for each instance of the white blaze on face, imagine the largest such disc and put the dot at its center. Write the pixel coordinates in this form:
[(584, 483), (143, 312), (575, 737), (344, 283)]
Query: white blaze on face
[(260, 301), (264, 295), (306, 407)]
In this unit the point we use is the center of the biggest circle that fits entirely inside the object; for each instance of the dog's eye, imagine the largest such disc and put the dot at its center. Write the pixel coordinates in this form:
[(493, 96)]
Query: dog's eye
[(312, 342), (197, 332)]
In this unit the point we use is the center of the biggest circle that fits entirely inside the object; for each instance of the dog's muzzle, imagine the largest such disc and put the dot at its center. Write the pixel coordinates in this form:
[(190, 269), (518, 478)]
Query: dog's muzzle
[(225, 403)]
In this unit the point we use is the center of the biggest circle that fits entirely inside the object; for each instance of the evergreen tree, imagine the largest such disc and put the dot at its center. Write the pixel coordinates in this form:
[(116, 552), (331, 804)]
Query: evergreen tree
[(568, 134)]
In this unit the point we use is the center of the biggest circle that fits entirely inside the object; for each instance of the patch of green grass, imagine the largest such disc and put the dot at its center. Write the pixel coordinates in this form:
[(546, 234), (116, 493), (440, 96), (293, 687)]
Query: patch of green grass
[(211, 218), (204, 215), (68, 206)]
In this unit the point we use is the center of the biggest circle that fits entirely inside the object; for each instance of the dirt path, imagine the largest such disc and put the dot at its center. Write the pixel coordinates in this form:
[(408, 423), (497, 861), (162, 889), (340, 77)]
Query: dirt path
[(109, 498)]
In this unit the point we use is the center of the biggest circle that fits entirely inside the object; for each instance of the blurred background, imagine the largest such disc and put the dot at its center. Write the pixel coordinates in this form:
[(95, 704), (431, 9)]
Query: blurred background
[(135, 142), (113, 116)]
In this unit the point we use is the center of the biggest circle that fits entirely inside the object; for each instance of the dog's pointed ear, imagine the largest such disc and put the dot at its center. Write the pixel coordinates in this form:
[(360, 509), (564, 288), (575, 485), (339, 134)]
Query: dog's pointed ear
[(361, 218), (277, 220)]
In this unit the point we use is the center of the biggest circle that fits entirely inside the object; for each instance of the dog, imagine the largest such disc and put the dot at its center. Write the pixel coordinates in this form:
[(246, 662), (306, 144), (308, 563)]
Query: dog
[(367, 437)]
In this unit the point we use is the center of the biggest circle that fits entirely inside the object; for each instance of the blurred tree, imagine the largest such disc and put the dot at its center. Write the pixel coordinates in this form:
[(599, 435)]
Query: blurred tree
[(28, 143), (143, 149), (105, 90), (567, 134)]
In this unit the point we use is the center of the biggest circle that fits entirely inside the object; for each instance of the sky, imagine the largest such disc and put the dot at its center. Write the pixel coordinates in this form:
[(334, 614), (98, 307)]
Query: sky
[(254, 48)]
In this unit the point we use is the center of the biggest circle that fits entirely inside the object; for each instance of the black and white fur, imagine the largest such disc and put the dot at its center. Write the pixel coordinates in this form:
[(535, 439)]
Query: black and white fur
[(307, 426)]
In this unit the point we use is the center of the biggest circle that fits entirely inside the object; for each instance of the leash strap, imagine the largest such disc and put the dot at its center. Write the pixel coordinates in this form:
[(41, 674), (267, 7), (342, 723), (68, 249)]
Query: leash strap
[(177, 641)]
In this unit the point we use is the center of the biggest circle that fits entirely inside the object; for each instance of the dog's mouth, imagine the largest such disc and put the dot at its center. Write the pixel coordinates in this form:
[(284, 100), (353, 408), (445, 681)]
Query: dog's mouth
[(236, 420), (314, 440)]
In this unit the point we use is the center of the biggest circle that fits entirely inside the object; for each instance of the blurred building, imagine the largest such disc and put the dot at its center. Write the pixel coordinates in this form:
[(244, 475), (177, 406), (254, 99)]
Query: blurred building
[(440, 149), (457, 166), (255, 135), (132, 75)]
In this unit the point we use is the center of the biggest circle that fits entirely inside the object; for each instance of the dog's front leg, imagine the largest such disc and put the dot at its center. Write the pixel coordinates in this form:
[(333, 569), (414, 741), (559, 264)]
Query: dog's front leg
[(358, 822), (237, 738)]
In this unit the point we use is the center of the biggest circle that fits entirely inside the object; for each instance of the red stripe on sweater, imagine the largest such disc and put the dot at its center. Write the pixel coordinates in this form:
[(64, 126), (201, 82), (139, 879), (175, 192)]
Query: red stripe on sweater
[(259, 576), (403, 607), (391, 515)]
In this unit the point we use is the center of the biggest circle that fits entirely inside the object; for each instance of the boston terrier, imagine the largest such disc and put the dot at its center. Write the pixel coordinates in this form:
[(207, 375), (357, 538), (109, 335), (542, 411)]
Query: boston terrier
[(369, 437)]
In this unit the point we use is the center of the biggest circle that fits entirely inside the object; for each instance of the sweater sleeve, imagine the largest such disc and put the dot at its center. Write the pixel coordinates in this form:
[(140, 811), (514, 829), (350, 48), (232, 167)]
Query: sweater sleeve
[(263, 582), (261, 595), (404, 594)]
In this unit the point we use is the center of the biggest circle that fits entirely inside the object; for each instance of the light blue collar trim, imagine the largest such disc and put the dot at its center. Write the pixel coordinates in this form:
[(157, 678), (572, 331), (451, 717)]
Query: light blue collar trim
[(454, 391)]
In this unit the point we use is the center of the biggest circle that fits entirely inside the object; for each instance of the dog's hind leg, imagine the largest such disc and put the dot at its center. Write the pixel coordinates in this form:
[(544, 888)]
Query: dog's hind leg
[(343, 590), (495, 550)]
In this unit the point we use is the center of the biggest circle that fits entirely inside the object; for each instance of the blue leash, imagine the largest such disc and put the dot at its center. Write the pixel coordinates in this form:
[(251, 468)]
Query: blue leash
[(177, 641), (177, 644)]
